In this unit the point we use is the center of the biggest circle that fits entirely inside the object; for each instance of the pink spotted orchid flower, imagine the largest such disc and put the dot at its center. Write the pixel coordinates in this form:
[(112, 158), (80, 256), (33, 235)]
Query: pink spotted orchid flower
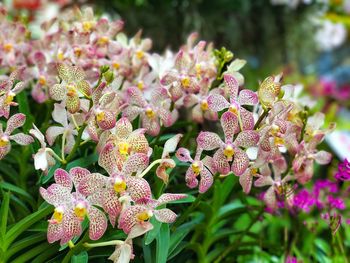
[(72, 208), (14, 122)]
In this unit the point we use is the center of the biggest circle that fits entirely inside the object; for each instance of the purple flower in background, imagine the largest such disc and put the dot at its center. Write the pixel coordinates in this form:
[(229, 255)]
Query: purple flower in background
[(304, 200), (335, 202), (343, 173)]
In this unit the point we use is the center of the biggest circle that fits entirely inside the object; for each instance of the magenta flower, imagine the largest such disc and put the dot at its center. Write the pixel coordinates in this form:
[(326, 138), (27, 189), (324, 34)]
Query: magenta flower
[(203, 168), (343, 173), (72, 208), (14, 122), (218, 102), (229, 151)]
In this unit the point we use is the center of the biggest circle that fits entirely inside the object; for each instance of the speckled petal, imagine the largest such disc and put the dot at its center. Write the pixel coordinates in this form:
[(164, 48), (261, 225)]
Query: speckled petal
[(14, 122), (98, 223), (57, 92), (209, 141), (63, 178), (165, 215), (247, 97), (184, 155), (138, 189), (217, 102), (240, 162), (247, 139), (229, 123), (232, 85), (206, 180)]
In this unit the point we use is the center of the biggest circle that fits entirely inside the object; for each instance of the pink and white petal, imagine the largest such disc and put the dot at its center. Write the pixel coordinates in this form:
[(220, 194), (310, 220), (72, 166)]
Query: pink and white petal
[(184, 155), (165, 215), (139, 230), (71, 227), (14, 122), (52, 132), (111, 204), (323, 157), (270, 198), (108, 159), (240, 162), (54, 232), (229, 123), (246, 180), (209, 163), (135, 163), (98, 223), (169, 78), (57, 92), (191, 178), (4, 150), (70, 141), (209, 141), (138, 142), (217, 102), (166, 198), (63, 178), (59, 114), (221, 164), (197, 114), (138, 189), (247, 119), (151, 125), (22, 139), (263, 181), (94, 183), (123, 128), (166, 117), (108, 121), (232, 85), (56, 195), (205, 181), (135, 96), (79, 174), (247, 97), (131, 112), (247, 139), (127, 219)]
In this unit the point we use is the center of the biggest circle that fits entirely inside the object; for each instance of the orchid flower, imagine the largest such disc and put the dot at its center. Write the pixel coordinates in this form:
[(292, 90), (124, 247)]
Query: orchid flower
[(14, 122), (72, 208)]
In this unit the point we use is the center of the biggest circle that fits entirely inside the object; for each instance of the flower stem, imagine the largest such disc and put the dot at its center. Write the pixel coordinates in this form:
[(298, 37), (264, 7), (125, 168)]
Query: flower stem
[(151, 166), (103, 244), (262, 116), (76, 144), (63, 144)]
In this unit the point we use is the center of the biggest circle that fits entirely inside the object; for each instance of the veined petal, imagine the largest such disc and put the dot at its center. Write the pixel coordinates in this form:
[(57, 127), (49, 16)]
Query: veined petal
[(57, 92), (71, 227), (111, 204), (138, 189), (209, 141), (63, 178), (206, 180), (166, 198), (138, 141), (217, 102), (240, 162), (135, 163), (22, 139), (247, 139), (73, 103), (123, 128), (54, 232), (165, 215), (93, 184), (56, 194), (229, 123), (79, 174), (247, 97), (232, 85), (84, 87), (14, 122), (98, 223), (108, 159), (184, 155)]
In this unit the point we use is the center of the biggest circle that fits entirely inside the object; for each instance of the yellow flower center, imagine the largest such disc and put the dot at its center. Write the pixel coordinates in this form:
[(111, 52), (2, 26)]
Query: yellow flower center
[(4, 141), (119, 185), (42, 80), (274, 129), (100, 116), (80, 210), (140, 85), (254, 171), (228, 151), (87, 25), (103, 40), (204, 105), (185, 81), (60, 56), (123, 148), (9, 98), (278, 141), (198, 69), (143, 216), (71, 90), (8, 47), (149, 113), (116, 65), (77, 51), (233, 108), (58, 214), (140, 54), (195, 167)]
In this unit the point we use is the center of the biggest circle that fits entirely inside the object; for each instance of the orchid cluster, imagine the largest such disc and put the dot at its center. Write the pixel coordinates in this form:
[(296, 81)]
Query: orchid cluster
[(111, 93)]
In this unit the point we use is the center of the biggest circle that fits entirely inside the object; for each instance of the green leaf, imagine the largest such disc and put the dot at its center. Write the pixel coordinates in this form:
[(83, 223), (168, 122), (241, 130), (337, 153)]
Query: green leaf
[(163, 242), (4, 210), (25, 242), (188, 199), (83, 162), (19, 191), (23, 107), (82, 257), (25, 257), (151, 235), (24, 224)]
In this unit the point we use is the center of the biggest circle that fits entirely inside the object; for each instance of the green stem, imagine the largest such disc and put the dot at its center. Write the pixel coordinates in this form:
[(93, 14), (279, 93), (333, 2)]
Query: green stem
[(103, 244), (341, 247), (77, 248), (262, 116), (76, 144)]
